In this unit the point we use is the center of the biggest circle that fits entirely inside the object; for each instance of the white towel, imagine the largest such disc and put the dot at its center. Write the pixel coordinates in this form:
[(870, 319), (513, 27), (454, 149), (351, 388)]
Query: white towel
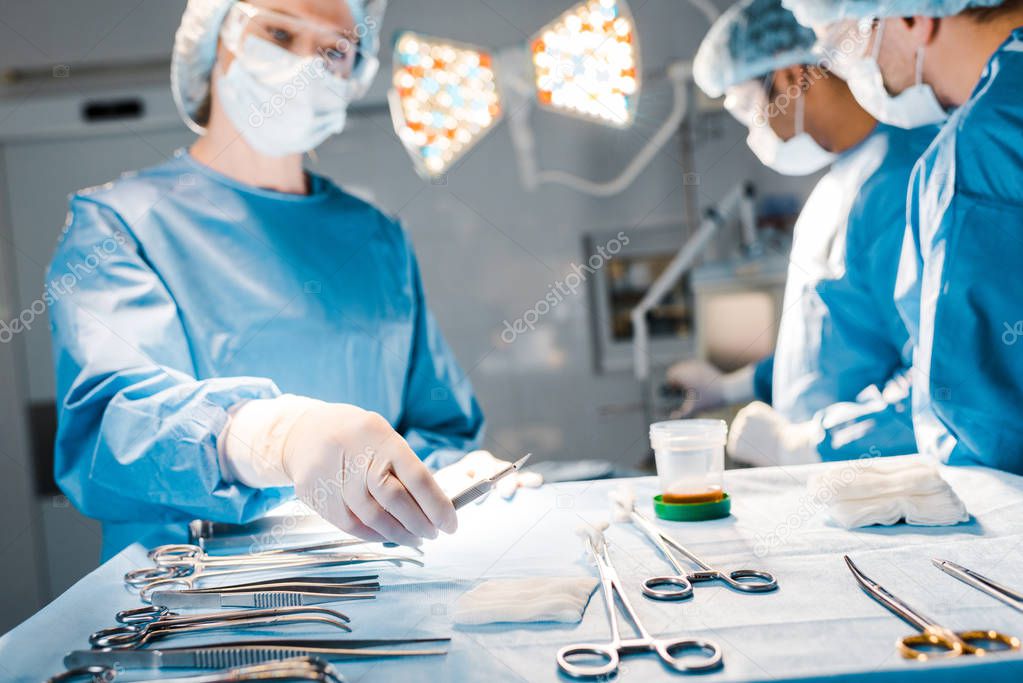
[(532, 600), (886, 490)]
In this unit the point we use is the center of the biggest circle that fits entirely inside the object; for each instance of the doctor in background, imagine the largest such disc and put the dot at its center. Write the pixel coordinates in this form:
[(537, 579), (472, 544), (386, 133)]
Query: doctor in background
[(837, 384), (959, 286)]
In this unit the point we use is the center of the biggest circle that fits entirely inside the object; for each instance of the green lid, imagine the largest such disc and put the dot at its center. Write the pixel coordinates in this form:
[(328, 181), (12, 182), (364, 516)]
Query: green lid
[(692, 512)]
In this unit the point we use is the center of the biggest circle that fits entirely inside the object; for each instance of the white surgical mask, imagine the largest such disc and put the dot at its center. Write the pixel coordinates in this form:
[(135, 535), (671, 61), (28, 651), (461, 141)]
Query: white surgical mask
[(282, 103), (799, 155), (915, 106)]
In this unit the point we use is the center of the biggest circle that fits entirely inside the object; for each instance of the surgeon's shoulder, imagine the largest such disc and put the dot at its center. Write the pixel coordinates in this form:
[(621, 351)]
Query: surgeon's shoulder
[(884, 193), (117, 204), (988, 155), (364, 215)]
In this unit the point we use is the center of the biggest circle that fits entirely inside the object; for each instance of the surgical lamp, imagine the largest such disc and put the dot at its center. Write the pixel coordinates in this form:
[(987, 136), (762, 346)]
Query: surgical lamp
[(446, 96)]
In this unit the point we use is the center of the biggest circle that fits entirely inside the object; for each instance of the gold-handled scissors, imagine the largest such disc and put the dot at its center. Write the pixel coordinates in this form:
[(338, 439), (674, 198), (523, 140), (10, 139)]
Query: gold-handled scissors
[(933, 638)]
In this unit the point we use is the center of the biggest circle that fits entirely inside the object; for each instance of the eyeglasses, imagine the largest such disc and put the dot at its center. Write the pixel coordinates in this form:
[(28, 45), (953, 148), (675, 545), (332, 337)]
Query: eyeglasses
[(748, 102), (339, 51), (843, 43)]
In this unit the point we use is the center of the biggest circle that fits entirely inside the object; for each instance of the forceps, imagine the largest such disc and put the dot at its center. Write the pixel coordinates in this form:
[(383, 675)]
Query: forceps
[(175, 553), (982, 583), (294, 669), (932, 635), (680, 586), (311, 590), (140, 626), (707, 653), (177, 571), (244, 652)]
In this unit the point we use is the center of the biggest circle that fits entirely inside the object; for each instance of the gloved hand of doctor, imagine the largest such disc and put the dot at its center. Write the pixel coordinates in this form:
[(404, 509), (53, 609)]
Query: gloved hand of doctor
[(707, 388), (346, 463), (478, 465), (760, 436)]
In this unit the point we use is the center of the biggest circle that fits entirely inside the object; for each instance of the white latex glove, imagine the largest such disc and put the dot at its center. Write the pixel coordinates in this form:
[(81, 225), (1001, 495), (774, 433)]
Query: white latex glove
[(707, 387), (346, 463), (760, 436), (478, 465)]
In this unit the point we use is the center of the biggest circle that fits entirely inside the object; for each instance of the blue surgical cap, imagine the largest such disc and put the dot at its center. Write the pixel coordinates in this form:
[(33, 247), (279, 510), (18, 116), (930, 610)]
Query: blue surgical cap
[(195, 48), (750, 40), (817, 12)]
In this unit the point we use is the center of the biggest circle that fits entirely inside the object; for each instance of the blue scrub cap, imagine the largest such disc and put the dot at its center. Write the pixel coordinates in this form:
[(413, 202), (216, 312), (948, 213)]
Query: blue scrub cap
[(195, 49), (750, 40), (816, 12)]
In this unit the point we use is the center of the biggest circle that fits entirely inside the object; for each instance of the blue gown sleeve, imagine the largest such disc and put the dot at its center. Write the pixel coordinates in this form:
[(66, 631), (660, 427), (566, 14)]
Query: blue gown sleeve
[(865, 340), (441, 419), (763, 379), (137, 430), (878, 423), (971, 353)]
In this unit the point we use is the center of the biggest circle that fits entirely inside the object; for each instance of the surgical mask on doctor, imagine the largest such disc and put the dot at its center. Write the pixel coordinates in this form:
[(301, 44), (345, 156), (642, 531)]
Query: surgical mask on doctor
[(281, 103), (799, 155), (915, 106)]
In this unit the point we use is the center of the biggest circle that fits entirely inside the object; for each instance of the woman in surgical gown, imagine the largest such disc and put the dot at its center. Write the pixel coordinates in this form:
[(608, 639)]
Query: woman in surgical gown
[(240, 328)]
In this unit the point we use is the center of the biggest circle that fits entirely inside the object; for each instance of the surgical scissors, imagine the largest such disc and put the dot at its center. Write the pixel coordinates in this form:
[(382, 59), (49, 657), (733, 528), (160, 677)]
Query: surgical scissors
[(985, 585), (707, 653), (680, 586), (294, 669), (932, 635), (182, 566), (138, 627)]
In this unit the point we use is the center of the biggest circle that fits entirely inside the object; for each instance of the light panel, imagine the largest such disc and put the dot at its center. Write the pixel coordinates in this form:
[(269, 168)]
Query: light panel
[(444, 99), (586, 63)]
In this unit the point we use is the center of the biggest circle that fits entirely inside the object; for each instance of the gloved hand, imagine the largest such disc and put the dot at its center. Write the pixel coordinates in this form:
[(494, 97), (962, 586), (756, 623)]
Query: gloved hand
[(760, 436), (355, 471), (477, 465), (707, 387)]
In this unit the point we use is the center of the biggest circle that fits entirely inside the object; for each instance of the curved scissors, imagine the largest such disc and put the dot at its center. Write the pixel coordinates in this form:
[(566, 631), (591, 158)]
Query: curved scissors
[(142, 625), (680, 586), (932, 635), (704, 655)]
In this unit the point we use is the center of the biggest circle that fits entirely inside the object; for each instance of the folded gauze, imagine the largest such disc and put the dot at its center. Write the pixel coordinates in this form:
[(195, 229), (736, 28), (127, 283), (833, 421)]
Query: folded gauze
[(536, 599), (885, 491)]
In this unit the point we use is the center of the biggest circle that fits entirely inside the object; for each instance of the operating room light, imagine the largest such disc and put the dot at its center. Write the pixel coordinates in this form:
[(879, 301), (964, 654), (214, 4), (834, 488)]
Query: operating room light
[(585, 63), (444, 99), (445, 96)]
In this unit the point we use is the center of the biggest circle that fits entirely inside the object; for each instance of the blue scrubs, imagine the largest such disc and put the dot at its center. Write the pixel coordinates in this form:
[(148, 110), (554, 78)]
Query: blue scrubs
[(841, 339), (188, 292), (960, 286)]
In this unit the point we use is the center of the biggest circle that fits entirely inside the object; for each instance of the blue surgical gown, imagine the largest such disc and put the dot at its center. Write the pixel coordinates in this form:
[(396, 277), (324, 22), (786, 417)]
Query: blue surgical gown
[(188, 292), (841, 340), (960, 285)]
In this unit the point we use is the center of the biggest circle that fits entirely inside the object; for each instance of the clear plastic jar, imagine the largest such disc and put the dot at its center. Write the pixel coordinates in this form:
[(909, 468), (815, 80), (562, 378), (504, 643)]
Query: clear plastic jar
[(690, 457)]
